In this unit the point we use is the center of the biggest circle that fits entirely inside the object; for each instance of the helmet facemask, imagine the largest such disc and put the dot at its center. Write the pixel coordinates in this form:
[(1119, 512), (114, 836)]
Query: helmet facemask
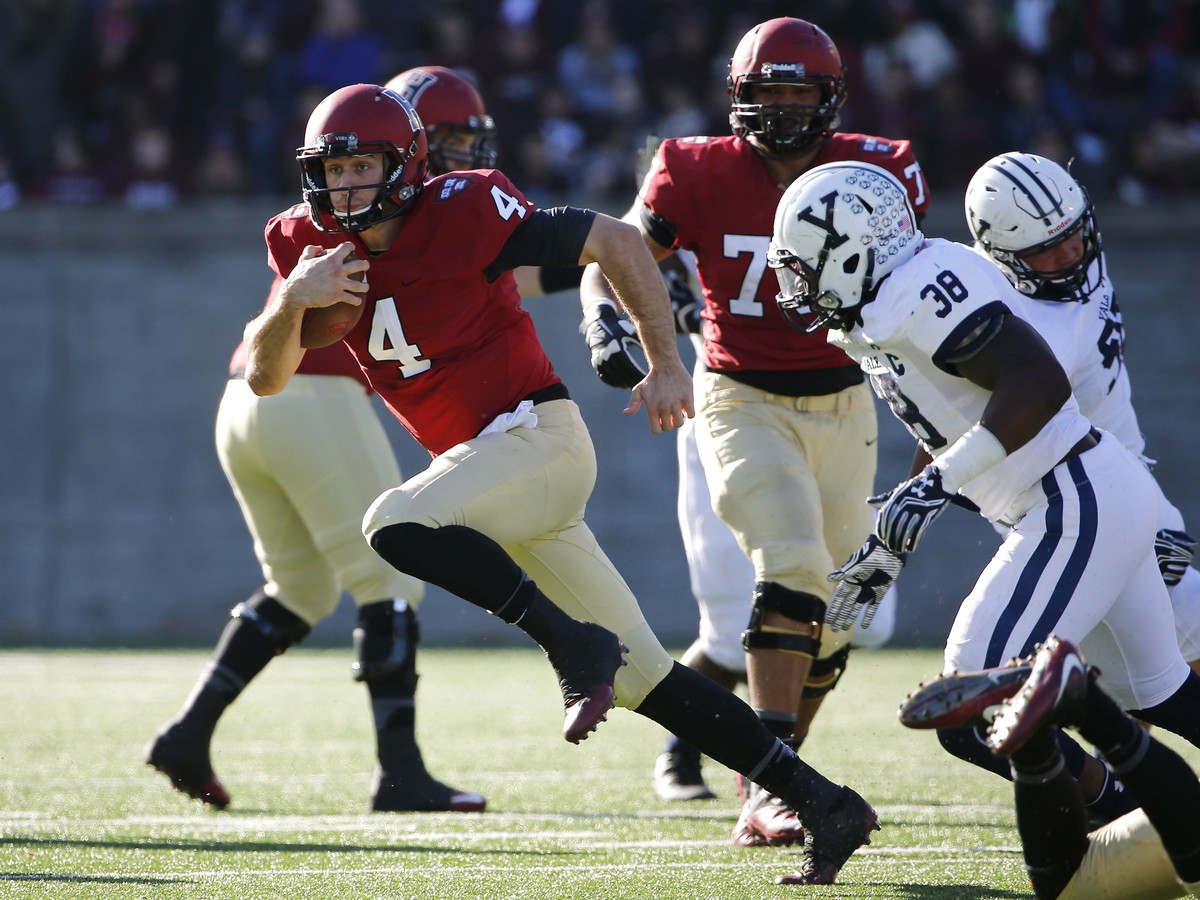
[(785, 131), (479, 154), (1065, 284), (390, 197), (840, 230)]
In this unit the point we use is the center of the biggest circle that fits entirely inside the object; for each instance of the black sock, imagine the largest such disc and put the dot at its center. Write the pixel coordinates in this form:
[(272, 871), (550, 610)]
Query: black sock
[(260, 629), (718, 724), (1051, 816), (1158, 777), (1179, 713)]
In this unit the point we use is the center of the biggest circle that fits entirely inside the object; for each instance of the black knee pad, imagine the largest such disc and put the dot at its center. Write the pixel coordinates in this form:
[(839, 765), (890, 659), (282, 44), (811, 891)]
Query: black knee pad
[(272, 620), (385, 642), (795, 605), (824, 674)]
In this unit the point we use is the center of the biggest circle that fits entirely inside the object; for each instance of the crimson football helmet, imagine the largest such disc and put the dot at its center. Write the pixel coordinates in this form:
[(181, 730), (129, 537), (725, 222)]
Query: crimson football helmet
[(786, 51), (355, 121), (448, 104)]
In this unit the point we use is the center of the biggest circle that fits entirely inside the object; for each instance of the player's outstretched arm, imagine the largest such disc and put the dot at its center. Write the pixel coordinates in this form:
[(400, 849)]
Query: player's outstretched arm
[(625, 264)]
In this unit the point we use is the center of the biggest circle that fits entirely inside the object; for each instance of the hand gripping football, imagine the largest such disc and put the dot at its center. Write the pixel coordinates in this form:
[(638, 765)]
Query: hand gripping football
[(325, 325)]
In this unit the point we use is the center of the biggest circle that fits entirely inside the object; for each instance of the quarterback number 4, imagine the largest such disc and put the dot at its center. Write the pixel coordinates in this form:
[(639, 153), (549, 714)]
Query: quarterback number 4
[(507, 204), (387, 341), (945, 293)]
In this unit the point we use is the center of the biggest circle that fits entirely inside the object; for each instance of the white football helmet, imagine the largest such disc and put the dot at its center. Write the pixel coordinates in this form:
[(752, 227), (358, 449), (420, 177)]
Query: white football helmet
[(1020, 202), (840, 229)]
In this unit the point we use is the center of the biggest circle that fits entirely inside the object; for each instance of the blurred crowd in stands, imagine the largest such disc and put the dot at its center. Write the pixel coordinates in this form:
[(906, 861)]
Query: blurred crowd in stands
[(153, 102)]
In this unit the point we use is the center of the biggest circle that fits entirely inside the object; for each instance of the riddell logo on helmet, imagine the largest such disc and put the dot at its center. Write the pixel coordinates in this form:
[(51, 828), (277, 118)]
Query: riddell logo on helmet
[(1065, 223), (796, 70)]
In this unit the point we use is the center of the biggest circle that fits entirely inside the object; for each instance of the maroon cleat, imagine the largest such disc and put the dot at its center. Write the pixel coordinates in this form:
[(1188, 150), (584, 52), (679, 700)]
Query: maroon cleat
[(187, 766), (765, 820), (1053, 695), (586, 668), (963, 699), (829, 842)]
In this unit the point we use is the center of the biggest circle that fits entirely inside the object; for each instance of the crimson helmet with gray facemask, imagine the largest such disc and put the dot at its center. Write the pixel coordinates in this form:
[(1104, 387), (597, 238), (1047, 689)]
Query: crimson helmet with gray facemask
[(785, 51), (356, 121)]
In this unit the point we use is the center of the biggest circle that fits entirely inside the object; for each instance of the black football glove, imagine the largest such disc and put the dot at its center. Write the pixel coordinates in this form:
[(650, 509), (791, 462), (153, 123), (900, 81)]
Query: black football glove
[(907, 511), (610, 337), (1174, 550), (864, 579), (684, 304)]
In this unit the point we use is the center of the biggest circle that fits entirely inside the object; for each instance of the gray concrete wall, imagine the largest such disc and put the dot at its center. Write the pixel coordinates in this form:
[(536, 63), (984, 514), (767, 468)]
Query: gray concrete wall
[(117, 526)]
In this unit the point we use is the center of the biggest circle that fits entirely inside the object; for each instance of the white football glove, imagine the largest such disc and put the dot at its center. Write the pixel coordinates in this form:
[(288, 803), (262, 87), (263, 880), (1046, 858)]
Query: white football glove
[(864, 579)]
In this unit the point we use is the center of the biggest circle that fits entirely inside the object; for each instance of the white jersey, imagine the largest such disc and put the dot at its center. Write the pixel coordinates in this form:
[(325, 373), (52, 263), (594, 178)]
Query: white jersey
[(1088, 337), (923, 315)]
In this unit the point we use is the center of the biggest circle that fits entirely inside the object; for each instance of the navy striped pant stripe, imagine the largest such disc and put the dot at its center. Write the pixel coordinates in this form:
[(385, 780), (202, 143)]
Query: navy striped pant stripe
[(1066, 585)]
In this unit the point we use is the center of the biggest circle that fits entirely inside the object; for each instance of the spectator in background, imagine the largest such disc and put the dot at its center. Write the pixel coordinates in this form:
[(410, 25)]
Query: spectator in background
[(72, 178), (341, 51), (34, 42), (596, 70), (154, 181)]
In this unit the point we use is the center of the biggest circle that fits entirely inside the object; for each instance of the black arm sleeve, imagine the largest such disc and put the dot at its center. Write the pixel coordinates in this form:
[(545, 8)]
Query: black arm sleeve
[(549, 237), (662, 230), (557, 278)]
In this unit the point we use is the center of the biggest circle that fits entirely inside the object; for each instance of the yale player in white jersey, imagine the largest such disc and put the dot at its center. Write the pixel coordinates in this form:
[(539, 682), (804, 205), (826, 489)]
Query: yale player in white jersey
[(929, 321), (1036, 223)]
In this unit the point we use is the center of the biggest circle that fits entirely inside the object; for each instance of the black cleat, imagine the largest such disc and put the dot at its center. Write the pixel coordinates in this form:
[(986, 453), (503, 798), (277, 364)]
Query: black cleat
[(677, 777), (833, 838), (421, 793), (586, 667), (188, 766)]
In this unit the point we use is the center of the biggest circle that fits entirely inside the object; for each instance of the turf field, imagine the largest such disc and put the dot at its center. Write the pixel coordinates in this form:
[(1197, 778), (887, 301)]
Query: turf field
[(81, 816)]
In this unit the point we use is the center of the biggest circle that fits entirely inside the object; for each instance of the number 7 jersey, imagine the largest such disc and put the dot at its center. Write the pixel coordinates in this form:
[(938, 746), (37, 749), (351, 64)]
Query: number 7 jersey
[(447, 349), (924, 313)]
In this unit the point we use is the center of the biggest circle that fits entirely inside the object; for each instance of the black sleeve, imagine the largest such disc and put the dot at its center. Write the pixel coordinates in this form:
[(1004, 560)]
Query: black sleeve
[(974, 333), (662, 230), (556, 278), (549, 237)]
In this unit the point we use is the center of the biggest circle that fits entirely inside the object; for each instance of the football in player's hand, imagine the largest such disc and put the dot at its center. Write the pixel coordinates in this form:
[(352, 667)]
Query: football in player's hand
[(325, 325)]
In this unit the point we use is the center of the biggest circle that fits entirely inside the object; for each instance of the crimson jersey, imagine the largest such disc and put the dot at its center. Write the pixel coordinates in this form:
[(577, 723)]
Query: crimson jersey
[(446, 350), (716, 194)]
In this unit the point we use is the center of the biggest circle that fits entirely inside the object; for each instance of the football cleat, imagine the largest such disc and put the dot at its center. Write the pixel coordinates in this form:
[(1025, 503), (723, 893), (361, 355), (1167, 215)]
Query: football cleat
[(765, 820), (1053, 695), (586, 669), (677, 777), (828, 843), (188, 766), (394, 792), (963, 699)]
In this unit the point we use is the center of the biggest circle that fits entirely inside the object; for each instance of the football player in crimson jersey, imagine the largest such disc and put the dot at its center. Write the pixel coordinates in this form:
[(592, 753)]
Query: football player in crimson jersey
[(303, 466), (497, 518), (785, 426)]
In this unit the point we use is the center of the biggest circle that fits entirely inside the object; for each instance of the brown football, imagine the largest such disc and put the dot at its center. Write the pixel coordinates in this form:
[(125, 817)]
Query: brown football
[(325, 325)]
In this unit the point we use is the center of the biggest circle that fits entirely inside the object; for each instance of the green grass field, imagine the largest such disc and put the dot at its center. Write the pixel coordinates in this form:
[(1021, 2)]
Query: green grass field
[(82, 816)]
